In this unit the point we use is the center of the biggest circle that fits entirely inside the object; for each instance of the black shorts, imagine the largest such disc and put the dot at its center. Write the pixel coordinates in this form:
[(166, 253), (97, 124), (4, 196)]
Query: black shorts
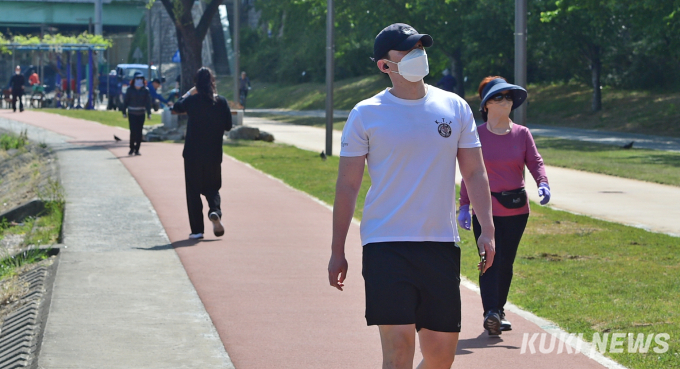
[(413, 283)]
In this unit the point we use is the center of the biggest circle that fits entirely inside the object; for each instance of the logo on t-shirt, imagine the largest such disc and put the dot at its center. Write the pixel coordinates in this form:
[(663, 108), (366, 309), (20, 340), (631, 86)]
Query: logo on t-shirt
[(444, 128)]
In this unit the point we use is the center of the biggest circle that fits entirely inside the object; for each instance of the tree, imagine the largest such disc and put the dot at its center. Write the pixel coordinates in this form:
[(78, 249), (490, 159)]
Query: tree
[(189, 36), (592, 28)]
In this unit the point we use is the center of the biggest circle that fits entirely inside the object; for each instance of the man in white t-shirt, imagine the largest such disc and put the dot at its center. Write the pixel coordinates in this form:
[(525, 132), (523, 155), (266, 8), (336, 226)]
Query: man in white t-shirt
[(410, 135)]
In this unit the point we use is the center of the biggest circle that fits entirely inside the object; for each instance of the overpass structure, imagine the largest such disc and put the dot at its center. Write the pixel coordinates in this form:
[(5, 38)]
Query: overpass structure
[(64, 16)]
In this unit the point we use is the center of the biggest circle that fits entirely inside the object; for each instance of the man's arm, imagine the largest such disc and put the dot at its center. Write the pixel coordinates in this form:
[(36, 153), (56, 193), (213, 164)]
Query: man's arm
[(474, 174), (126, 102), (350, 174)]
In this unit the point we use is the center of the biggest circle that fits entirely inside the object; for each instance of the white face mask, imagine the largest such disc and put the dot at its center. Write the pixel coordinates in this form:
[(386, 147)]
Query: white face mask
[(413, 67), (139, 83)]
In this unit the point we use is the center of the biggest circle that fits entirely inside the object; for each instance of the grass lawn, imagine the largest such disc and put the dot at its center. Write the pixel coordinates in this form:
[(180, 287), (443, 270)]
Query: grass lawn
[(309, 96), (645, 165), (563, 105), (107, 117), (586, 275)]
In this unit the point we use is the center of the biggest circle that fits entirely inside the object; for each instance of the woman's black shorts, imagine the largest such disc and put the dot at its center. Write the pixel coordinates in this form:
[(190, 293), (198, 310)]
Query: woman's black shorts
[(413, 283)]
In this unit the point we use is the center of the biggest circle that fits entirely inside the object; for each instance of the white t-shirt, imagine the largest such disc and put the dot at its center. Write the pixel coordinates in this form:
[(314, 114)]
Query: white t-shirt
[(412, 147)]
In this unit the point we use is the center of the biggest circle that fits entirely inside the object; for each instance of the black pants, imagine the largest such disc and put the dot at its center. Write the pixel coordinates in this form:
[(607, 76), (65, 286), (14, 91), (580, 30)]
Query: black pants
[(494, 285), (243, 95), (202, 179), (16, 97), (136, 125)]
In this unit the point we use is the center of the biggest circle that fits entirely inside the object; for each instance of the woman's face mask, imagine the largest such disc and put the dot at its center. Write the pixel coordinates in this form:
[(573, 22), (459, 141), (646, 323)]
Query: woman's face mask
[(413, 67), (139, 83)]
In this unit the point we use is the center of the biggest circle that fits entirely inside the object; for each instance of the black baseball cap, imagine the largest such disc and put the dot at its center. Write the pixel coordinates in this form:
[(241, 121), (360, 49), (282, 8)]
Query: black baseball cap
[(398, 36)]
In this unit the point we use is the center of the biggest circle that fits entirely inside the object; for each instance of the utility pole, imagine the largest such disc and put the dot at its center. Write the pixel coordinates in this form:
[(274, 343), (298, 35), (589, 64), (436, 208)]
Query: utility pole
[(330, 68), (520, 115), (237, 48), (98, 17), (148, 44)]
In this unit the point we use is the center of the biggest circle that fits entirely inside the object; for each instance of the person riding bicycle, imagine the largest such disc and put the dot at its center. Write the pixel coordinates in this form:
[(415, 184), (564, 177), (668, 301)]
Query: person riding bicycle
[(243, 87)]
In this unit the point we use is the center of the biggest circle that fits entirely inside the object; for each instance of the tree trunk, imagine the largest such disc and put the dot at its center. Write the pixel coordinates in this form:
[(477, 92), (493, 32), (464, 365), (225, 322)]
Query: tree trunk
[(190, 51), (457, 71), (190, 36), (596, 70)]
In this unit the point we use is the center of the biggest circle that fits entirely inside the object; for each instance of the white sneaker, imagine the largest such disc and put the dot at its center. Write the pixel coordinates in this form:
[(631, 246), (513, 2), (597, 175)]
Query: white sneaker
[(218, 228), (196, 236)]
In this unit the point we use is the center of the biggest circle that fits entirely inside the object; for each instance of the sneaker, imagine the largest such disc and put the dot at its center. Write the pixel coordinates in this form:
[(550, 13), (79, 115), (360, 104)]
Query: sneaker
[(137, 153), (131, 152), (218, 228), (505, 324), (196, 236), (492, 323)]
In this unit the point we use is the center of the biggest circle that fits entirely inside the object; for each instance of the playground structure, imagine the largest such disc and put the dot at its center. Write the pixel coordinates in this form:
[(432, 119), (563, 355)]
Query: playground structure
[(68, 97)]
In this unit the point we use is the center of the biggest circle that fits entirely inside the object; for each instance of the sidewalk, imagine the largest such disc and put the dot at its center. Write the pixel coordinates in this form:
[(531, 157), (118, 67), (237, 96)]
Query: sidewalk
[(264, 284), (578, 134), (121, 297), (641, 204)]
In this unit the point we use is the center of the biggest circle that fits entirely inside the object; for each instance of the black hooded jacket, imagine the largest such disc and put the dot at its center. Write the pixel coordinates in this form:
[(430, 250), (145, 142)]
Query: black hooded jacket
[(208, 120)]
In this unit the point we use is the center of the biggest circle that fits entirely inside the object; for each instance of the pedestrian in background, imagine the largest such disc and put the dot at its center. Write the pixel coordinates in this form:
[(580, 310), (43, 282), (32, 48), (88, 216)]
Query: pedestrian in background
[(153, 90), (209, 118), (137, 102), (243, 88), (16, 84), (447, 82), (507, 148)]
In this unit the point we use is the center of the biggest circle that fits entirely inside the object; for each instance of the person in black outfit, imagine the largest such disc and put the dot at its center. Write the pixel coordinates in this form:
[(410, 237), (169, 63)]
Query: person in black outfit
[(137, 101), (17, 85), (243, 87), (209, 118), (448, 82)]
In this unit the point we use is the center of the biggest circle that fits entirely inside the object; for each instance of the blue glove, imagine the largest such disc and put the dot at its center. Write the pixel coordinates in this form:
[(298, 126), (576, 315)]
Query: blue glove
[(464, 219), (544, 192)]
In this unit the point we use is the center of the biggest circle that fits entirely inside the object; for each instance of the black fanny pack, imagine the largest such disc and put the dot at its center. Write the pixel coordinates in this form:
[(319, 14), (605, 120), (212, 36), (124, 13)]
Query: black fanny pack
[(512, 199)]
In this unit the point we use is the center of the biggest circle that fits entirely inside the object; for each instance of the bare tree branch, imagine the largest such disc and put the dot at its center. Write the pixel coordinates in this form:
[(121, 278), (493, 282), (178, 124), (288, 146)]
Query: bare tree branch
[(207, 17), (169, 7)]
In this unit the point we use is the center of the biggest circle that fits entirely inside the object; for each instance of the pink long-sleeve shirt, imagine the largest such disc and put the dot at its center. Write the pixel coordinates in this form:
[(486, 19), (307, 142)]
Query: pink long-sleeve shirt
[(504, 158)]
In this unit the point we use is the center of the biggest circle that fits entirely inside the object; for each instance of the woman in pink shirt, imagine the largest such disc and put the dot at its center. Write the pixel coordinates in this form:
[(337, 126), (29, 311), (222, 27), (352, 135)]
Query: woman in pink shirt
[(507, 148)]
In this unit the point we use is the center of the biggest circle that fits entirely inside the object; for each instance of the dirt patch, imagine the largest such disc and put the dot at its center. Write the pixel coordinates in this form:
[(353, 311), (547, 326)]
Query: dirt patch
[(554, 257), (561, 227)]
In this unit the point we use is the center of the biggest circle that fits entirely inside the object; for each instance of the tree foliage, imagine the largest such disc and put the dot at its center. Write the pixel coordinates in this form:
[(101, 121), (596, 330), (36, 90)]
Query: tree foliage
[(56, 40), (622, 43)]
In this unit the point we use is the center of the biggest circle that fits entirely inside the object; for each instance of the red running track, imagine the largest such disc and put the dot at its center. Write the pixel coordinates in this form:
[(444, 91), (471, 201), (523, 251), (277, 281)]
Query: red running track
[(264, 284)]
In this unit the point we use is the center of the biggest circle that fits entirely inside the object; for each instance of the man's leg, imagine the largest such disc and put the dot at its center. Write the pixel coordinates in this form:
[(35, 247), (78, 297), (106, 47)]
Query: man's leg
[(192, 181), (14, 102), (138, 132), (132, 122), (398, 345), (21, 102), (212, 182), (438, 348)]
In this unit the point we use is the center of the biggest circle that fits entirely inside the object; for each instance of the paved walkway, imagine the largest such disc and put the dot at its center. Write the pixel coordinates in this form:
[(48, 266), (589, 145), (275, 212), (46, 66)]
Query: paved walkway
[(121, 297), (642, 204), (264, 284), (578, 134)]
